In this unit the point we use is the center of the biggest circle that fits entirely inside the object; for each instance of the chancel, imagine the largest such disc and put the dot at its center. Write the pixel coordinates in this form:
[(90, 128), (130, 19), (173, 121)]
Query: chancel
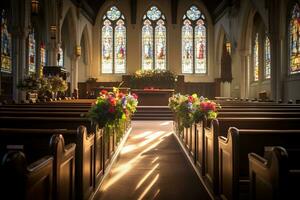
[(150, 99)]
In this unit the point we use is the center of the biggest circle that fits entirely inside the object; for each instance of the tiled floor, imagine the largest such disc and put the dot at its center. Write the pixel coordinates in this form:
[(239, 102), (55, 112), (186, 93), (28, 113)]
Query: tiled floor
[(152, 166)]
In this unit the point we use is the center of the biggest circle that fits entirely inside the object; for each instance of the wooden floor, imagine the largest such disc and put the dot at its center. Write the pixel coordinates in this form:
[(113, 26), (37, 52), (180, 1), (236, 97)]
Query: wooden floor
[(152, 166)]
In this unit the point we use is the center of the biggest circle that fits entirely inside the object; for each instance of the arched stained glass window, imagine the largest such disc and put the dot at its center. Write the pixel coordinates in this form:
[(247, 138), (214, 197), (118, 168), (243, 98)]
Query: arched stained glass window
[(194, 42), (267, 58), (31, 53), (256, 58), (154, 40), (113, 42), (5, 45), (294, 40)]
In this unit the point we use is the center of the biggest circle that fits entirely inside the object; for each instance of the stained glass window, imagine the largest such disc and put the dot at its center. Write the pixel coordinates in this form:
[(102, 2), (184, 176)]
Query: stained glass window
[(154, 40), (43, 54), (194, 42), (113, 42), (31, 52), (256, 59), (5, 45), (294, 42), (60, 57), (187, 47), (267, 57)]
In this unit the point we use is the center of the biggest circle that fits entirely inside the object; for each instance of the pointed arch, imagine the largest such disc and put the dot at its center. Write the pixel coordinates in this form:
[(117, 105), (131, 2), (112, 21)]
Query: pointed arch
[(113, 42), (194, 39), (154, 39)]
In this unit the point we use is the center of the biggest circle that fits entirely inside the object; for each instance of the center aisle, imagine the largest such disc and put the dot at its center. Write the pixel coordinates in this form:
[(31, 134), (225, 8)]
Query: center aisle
[(152, 166)]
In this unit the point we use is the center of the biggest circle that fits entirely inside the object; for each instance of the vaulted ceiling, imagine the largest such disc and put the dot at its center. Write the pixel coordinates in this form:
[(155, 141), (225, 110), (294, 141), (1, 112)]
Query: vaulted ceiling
[(215, 7)]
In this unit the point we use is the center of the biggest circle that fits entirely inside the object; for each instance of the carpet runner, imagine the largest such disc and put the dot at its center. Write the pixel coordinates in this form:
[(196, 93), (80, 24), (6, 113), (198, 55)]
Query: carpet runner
[(152, 166)]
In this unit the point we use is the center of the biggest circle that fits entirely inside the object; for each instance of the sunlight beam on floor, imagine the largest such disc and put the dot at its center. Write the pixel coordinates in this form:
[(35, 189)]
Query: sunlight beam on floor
[(146, 176), (149, 187)]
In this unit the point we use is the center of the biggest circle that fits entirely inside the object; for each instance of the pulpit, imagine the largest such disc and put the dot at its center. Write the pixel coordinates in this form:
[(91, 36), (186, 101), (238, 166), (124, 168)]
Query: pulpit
[(153, 97)]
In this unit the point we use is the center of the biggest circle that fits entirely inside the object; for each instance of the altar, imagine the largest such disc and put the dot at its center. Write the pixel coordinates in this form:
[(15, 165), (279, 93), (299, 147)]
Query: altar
[(153, 97)]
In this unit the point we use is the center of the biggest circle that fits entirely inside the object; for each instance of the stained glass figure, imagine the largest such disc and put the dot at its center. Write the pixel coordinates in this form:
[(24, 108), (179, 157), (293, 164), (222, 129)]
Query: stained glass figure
[(267, 56), (120, 47), (154, 40), (256, 59), (294, 43), (60, 57), (31, 53), (43, 54), (147, 43), (107, 47), (113, 42), (187, 47), (200, 47), (160, 45), (194, 42), (5, 45)]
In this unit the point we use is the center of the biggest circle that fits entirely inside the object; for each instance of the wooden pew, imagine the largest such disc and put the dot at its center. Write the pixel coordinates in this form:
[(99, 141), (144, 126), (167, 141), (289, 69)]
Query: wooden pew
[(62, 170), (219, 127), (259, 114), (42, 114), (36, 109), (233, 153), (22, 181), (86, 145), (276, 175)]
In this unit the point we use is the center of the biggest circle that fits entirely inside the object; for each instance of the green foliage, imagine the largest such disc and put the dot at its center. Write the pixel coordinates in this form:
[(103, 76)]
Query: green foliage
[(152, 78)]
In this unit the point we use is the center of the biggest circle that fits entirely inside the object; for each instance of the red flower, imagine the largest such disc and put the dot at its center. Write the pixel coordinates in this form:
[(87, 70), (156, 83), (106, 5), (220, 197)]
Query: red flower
[(112, 101), (191, 99), (111, 110), (208, 106), (104, 92), (121, 95)]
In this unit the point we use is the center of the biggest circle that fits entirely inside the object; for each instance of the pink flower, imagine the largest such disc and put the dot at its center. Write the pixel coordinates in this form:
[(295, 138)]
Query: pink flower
[(135, 95)]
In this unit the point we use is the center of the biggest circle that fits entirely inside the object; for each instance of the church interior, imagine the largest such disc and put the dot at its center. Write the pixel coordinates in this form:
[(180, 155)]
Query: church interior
[(150, 99)]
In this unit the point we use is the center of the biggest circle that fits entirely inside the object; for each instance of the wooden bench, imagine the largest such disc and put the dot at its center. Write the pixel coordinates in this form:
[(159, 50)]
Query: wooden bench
[(233, 153), (276, 175), (86, 146), (62, 165), (219, 127), (285, 114), (42, 114)]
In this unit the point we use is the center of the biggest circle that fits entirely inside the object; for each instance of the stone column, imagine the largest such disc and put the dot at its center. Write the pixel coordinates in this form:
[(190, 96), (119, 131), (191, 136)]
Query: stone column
[(74, 69), (18, 63), (276, 46), (244, 79)]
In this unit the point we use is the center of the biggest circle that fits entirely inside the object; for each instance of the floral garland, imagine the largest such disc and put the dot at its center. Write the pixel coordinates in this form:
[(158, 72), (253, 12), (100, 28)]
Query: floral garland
[(112, 107), (191, 109)]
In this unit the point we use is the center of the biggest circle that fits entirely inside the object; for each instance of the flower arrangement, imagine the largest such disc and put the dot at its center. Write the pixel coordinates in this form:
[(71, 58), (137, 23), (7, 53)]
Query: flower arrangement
[(112, 107), (29, 84), (155, 78), (57, 84), (191, 108)]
